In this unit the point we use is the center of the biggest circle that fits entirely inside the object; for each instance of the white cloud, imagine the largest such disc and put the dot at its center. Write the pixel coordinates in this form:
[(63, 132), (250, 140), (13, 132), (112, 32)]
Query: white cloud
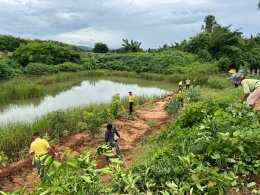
[(89, 36)]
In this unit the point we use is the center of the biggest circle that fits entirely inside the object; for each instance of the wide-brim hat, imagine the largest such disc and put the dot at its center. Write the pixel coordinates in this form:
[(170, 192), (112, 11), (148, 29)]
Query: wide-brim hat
[(232, 71)]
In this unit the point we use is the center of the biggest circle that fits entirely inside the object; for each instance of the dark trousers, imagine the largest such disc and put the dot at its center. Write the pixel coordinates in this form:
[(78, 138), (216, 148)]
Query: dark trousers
[(114, 144), (131, 107), (187, 87)]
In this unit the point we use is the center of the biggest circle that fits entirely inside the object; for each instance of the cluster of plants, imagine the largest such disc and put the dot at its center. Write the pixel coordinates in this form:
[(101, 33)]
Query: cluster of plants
[(10, 43), (80, 175), (205, 150), (190, 96), (47, 52)]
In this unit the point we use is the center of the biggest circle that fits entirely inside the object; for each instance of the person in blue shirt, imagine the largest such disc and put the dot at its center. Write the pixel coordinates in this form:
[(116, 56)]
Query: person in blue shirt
[(110, 138)]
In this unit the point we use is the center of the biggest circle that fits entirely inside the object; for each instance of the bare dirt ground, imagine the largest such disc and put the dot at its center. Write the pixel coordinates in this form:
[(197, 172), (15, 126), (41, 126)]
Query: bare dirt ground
[(22, 172)]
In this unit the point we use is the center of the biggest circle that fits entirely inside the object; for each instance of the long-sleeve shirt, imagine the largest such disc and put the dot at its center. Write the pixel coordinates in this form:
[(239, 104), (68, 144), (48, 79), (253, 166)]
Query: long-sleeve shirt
[(110, 135), (249, 85)]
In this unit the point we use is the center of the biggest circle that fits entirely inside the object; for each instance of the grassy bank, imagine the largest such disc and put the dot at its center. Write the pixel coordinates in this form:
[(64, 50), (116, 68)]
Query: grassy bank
[(14, 137)]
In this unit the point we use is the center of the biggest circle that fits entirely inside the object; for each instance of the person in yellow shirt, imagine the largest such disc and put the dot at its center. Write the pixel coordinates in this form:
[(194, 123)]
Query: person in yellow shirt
[(187, 84), (131, 102), (39, 148), (180, 84), (180, 95)]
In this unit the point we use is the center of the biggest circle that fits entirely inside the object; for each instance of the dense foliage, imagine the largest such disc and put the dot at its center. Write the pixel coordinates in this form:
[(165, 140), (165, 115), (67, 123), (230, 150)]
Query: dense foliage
[(205, 150), (164, 62), (221, 43), (46, 52), (9, 43), (100, 48)]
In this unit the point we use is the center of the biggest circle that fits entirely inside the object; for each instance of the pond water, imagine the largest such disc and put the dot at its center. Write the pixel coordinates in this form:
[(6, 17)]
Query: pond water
[(87, 92)]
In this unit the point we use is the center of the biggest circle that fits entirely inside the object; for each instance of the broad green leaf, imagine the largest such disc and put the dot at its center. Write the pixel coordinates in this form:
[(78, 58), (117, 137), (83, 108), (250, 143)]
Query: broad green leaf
[(251, 184), (87, 179)]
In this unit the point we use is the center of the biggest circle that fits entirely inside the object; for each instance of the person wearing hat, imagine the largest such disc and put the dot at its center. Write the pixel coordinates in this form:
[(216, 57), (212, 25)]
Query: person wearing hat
[(251, 88), (131, 102), (232, 71)]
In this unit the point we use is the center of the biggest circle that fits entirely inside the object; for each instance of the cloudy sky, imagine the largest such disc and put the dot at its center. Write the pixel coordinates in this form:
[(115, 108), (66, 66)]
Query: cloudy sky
[(153, 22)]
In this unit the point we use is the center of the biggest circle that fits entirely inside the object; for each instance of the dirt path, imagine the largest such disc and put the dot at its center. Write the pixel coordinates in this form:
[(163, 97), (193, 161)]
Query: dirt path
[(22, 173)]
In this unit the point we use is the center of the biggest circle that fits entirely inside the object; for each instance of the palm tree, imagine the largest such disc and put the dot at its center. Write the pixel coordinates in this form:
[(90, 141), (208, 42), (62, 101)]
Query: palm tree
[(258, 5), (132, 46)]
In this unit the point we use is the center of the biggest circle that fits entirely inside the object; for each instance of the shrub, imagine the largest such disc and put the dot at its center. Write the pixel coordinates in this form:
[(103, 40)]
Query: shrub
[(47, 52), (224, 64), (68, 67), (173, 107), (5, 71), (218, 83), (38, 69), (193, 94)]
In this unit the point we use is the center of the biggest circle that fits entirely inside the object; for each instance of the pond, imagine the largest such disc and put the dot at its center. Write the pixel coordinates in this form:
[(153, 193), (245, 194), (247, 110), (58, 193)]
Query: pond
[(85, 92)]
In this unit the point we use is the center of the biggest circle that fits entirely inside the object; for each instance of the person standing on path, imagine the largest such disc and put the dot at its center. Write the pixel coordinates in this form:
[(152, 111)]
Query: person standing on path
[(110, 138), (181, 96), (40, 149), (131, 102), (251, 88), (187, 84)]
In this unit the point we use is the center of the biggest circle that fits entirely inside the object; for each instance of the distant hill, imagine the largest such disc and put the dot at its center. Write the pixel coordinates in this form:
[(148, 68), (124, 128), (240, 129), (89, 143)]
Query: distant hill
[(84, 48)]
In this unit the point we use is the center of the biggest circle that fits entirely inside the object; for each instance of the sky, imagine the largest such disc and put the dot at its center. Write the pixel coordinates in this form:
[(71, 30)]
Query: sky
[(152, 22)]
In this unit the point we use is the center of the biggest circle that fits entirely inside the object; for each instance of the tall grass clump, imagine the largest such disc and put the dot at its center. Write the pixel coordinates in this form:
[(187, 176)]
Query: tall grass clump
[(19, 89)]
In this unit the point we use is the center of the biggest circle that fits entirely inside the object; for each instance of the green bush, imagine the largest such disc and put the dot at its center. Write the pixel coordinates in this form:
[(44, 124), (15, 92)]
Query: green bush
[(46, 52), (68, 67), (206, 150), (218, 83), (193, 94), (38, 69), (5, 71), (173, 107)]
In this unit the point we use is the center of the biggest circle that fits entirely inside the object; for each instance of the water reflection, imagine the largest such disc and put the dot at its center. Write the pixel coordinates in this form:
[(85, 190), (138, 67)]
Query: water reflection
[(87, 92)]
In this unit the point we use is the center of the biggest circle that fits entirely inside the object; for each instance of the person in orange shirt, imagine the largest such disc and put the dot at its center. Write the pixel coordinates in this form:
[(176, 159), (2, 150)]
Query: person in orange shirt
[(187, 84), (40, 148), (131, 102)]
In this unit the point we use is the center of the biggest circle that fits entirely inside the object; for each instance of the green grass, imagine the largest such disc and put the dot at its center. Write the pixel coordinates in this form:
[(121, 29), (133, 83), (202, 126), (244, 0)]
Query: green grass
[(19, 89)]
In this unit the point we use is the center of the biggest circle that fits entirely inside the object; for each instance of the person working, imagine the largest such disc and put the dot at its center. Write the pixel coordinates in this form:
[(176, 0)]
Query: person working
[(180, 84), (251, 88), (110, 137), (187, 84), (180, 95), (39, 148), (131, 102)]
